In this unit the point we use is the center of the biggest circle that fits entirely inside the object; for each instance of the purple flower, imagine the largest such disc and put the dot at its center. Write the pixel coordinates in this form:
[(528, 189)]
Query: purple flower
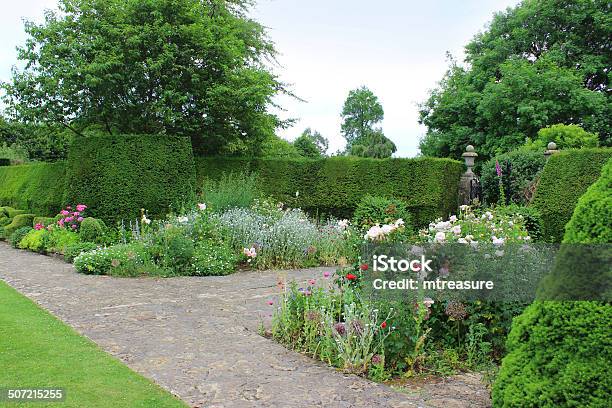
[(498, 169), (326, 274), (340, 328)]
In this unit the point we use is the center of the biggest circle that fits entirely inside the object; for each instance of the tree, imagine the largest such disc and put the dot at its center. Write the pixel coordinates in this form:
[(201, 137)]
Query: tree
[(184, 67), (311, 143), (538, 64), (564, 136), (360, 113)]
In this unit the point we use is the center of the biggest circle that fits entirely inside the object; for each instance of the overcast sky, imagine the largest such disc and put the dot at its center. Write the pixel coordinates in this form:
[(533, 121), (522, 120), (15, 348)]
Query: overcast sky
[(328, 47)]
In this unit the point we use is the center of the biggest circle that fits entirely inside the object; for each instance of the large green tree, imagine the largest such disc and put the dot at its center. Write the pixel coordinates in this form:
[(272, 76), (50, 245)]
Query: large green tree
[(186, 67), (540, 63), (360, 114), (311, 143)]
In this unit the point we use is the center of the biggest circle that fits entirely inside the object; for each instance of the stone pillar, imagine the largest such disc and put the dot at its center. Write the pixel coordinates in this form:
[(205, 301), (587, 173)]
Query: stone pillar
[(466, 179), (550, 150)]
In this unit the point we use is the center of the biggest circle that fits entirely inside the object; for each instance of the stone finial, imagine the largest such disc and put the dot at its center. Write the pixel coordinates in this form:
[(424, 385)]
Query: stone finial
[(469, 156), (551, 149)]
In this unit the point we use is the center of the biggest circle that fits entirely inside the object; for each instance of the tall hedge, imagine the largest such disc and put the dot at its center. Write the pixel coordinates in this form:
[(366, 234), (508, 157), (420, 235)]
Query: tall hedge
[(336, 185), (565, 177), (38, 188), (116, 176)]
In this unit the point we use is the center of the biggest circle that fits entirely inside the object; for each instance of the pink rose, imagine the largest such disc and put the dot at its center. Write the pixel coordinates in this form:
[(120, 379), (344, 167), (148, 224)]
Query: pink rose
[(64, 212), (80, 219), (38, 227), (81, 207)]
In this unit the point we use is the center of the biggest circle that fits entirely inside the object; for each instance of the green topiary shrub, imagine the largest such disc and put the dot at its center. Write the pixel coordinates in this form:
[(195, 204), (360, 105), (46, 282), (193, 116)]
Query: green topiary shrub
[(524, 168), (374, 210), (13, 212), (21, 220), (116, 176), (71, 251), (565, 178), (591, 222), (92, 230), (558, 356), (15, 237), (335, 185), (5, 221), (38, 187)]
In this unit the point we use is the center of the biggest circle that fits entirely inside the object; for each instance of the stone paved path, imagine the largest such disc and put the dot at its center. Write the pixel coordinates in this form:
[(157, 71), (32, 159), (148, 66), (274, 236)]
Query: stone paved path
[(198, 338)]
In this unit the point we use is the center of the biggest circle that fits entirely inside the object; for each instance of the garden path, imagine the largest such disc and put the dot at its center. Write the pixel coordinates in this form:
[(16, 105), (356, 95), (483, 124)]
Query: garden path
[(198, 338)]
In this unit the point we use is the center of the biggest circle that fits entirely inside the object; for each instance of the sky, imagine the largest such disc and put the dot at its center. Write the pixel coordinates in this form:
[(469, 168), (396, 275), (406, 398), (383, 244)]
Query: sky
[(397, 48)]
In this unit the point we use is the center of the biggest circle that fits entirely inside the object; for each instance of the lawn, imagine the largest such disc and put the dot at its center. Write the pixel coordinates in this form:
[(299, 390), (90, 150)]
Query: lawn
[(39, 351)]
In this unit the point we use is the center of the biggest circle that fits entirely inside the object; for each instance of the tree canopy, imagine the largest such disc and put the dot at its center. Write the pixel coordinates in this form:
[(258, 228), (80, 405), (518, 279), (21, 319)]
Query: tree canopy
[(311, 143), (540, 63), (360, 114), (183, 67)]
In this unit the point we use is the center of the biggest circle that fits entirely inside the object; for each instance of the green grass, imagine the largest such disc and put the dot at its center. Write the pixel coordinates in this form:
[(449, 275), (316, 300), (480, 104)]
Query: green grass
[(39, 351)]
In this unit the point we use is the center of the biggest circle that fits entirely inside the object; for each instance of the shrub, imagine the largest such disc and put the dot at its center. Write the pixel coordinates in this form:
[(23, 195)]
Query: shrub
[(92, 230), (565, 137), (532, 219), (118, 175), (44, 221), (213, 259), (173, 249), (335, 185), (60, 238), (558, 356), (525, 166), (21, 220), (5, 221), (231, 190), (591, 221), (565, 178), (11, 212), (38, 187), (122, 260), (373, 210), (34, 240), (18, 234), (71, 251)]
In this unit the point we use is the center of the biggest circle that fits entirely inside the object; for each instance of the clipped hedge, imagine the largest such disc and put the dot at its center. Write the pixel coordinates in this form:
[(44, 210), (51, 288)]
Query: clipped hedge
[(21, 220), (558, 356), (565, 177), (592, 219), (38, 187), (116, 176), (336, 185)]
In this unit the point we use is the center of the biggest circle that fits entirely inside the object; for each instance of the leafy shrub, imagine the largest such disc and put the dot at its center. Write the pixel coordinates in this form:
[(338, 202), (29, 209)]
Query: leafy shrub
[(531, 218), (39, 187), (558, 356), (60, 238), (335, 185), (231, 190), (44, 221), (120, 260), (18, 235), (35, 240), (118, 175), (5, 221), (373, 210), (524, 166), (21, 220), (71, 251), (92, 230), (11, 212), (565, 178), (591, 221), (173, 248), (214, 259), (565, 137)]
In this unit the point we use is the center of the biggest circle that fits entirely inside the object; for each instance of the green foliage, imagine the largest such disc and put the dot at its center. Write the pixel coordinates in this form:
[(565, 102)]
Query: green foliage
[(35, 240), (15, 237), (311, 144), (274, 146), (120, 260), (375, 144), (11, 212), (558, 356), (22, 142), (373, 210), (212, 258), (4, 162), (565, 136), (566, 176), (92, 230), (531, 218), (38, 187), (537, 64), (60, 238), (195, 69), (12, 152), (336, 185), (44, 221), (173, 249), (591, 222), (116, 176), (71, 251), (519, 182), (231, 190), (21, 220)]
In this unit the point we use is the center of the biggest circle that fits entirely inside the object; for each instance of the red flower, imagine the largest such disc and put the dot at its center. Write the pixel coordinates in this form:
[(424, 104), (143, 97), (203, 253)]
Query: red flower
[(364, 267), (383, 325), (350, 276)]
